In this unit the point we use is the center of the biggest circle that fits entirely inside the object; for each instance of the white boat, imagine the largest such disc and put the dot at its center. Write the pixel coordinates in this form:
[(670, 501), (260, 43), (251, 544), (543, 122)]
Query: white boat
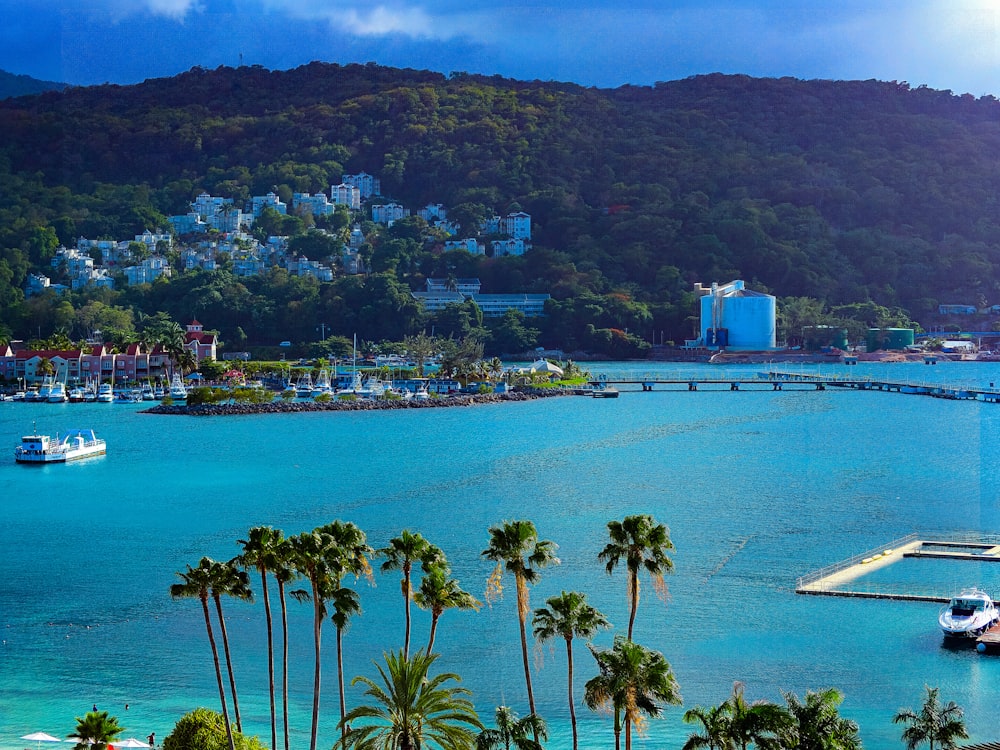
[(421, 393), (968, 615), (147, 392), (322, 384), (45, 389), (304, 386), (76, 395), (42, 449), (105, 393), (177, 390), (57, 394)]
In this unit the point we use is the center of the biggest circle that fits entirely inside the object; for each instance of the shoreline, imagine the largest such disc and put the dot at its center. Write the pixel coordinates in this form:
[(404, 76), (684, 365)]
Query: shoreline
[(297, 407)]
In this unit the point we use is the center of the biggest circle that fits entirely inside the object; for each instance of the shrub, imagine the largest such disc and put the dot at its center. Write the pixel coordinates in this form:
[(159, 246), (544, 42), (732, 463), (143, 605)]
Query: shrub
[(203, 729)]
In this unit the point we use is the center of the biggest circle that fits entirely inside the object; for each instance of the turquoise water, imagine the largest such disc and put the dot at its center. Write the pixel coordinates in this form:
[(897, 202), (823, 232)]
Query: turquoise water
[(757, 488)]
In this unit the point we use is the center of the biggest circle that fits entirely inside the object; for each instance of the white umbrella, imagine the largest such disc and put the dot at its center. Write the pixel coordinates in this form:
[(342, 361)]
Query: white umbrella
[(130, 742), (40, 737)]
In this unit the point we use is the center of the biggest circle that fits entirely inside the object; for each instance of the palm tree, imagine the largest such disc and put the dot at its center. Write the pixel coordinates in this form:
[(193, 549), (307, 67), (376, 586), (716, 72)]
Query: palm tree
[(515, 545), (410, 709), (634, 681), (401, 553), (715, 721), (642, 544), (512, 732), (760, 723), (95, 731), (259, 552), (936, 723), (284, 573), (228, 579), (568, 615), (437, 593), (196, 583), (817, 723)]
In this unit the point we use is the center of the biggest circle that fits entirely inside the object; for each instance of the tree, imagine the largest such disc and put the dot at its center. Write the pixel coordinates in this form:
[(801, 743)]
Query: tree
[(512, 732), (437, 593), (196, 583), (936, 723), (715, 723), (642, 544), (400, 555), (566, 616), (229, 580), (203, 729), (515, 546), (283, 570), (95, 730), (260, 552), (760, 723), (410, 709), (817, 723), (634, 681)]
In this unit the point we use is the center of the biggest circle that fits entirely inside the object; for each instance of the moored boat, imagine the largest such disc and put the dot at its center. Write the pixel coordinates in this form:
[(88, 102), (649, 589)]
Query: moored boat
[(105, 393), (177, 390), (968, 615), (42, 449)]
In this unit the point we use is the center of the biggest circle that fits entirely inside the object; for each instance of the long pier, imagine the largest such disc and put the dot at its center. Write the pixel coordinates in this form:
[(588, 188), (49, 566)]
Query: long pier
[(781, 381)]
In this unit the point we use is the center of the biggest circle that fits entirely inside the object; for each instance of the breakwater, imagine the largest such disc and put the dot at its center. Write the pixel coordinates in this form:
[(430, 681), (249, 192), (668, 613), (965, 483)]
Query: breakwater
[(294, 407)]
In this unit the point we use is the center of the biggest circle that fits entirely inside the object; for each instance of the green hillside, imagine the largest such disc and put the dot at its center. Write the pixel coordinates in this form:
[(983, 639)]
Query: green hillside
[(21, 85), (846, 192)]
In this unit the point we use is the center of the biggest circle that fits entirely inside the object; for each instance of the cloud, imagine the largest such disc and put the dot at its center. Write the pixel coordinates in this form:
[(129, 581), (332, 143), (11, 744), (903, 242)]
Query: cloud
[(175, 9), (414, 21)]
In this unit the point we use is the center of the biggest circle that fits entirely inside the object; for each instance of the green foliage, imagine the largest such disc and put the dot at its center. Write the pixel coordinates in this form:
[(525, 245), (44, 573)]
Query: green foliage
[(207, 395), (203, 729), (251, 396)]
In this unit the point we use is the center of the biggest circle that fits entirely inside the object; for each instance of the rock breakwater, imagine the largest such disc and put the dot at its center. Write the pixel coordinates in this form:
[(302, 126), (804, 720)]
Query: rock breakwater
[(295, 407)]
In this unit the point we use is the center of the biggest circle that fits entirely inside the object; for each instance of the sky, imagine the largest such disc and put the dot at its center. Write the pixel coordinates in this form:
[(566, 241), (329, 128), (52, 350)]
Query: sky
[(943, 44)]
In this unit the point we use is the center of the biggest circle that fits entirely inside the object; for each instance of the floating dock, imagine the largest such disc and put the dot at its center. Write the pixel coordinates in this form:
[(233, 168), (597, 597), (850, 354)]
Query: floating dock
[(835, 580)]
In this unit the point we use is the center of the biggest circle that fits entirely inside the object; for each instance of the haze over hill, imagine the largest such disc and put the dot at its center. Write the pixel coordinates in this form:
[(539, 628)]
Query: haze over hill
[(843, 191), (21, 85)]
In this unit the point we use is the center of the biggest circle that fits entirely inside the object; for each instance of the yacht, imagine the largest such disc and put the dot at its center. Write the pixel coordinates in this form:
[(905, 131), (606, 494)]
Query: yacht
[(105, 393), (304, 386), (57, 393), (322, 384), (76, 395), (147, 392), (177, 390), (968, 615), (42, 449)]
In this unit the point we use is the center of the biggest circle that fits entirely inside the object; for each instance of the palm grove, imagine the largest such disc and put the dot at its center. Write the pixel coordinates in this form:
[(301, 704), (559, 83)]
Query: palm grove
[(409, 707)]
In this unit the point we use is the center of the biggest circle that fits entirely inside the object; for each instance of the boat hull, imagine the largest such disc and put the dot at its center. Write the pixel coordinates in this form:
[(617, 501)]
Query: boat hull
[(41, 449)]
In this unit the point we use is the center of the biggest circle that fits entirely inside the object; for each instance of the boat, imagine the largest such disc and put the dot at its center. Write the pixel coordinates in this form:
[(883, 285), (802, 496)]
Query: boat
[(304, 386), (968, 615), (322, 384), (42, 449), (177, 390), (147, 392), (105, 393), (45, 389), (57, 393), (76, 395)]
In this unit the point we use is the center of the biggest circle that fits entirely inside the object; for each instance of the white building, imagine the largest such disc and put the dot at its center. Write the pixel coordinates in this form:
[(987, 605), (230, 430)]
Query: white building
[(469, 244), (149, 239), (462, 286), (229, 220), (206, 205), (433, 212), (437, 300), (502, 248), (147, 271), (495, 305), (345, 194), (317, 205), (271, 200), (190, 223), (517, 225), (388, 213), (366, 183)]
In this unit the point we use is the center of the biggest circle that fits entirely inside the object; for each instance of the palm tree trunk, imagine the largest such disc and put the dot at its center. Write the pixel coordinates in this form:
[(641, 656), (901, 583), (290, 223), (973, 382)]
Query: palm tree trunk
[(284, 660), (270, 659), (618, 728), (434, 622), (340, 680), (521, 596), (229, 662), (406, 603), (317, 635), (633, 595), (218, 673), (569, 680), (628, 733)]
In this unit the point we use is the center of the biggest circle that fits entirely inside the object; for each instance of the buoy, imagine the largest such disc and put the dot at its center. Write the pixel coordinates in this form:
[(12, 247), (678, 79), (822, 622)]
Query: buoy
[(981, 648), (866, 561)]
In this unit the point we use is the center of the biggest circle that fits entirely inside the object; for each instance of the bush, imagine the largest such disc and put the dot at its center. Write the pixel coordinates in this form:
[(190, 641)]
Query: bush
[(206, 395), (203, 729)]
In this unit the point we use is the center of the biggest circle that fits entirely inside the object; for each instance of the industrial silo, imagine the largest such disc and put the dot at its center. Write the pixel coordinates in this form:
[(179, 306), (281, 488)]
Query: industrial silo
[(737, 318), (898, 338), (816, 338)]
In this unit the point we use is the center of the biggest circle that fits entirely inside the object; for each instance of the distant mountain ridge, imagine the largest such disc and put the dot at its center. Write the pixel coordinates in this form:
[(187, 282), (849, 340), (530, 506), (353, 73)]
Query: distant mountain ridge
[(12, 85)]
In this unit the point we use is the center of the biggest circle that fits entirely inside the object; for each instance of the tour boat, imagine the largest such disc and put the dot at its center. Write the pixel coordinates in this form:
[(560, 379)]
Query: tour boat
[(968, 615), (42, 449)]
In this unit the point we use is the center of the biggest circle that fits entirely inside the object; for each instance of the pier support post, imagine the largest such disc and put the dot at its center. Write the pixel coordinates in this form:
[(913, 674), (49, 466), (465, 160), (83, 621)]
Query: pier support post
[(734, 386), (777, 386), (692, 386), (821, 386)]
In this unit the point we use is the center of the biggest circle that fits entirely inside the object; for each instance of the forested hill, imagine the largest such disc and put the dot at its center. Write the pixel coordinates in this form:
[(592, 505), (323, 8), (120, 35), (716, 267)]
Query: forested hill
[(21, 85), (842, 191)]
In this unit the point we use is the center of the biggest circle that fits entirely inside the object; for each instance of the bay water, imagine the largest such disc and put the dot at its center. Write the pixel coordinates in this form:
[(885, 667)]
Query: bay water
[(757, 487)]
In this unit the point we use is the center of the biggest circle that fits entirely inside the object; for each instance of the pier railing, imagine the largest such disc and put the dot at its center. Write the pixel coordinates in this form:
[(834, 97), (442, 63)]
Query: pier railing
[(829, 570)]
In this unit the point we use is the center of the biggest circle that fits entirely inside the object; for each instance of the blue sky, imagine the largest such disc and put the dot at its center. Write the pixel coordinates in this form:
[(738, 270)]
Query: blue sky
[(944, 44)]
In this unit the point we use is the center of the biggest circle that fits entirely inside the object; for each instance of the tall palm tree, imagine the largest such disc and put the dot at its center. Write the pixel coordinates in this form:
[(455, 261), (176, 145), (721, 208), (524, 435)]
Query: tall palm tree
[(400, 554), (512, 732), (643, 545), (349, 554), (95, 731), (760, 723), (568, 615), (229, 580), (437, 593), (515, 546), (196, 583), (817, 723), (715, 722), (259, 552), (284, 572), (410, 709), (936, 723), (634, 681)]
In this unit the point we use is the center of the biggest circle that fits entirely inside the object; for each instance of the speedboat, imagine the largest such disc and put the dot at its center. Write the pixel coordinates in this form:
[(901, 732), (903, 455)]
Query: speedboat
[(968, 615), (42, 449)]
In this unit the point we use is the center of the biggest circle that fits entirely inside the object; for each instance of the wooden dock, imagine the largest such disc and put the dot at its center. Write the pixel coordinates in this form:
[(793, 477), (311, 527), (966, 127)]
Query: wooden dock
[(990, 640)]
